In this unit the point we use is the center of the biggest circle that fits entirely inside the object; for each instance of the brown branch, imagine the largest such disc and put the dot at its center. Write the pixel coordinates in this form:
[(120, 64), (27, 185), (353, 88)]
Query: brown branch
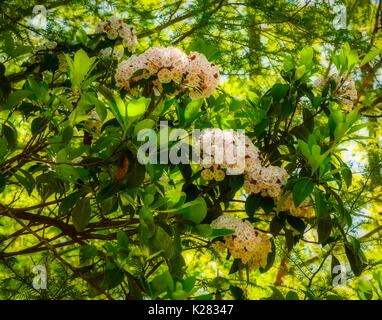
[(61, 259), (34, 249)]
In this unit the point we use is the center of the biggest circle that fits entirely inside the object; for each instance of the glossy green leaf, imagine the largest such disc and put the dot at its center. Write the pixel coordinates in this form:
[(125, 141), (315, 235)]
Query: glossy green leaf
[(81, 214), (79, 67), (301, 190), (195, 210)]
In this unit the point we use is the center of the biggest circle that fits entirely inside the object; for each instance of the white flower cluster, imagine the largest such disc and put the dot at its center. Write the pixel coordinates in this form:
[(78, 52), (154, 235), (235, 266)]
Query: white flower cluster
[(246, 243), (202, 77), (223, 151), (267, 181), (227, 151), (193, 73), (304, 210), (114, 28)]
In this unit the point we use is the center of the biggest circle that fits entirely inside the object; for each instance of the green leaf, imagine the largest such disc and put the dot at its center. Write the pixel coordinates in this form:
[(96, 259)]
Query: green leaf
[(297, 223), (173, 199), (279, 91), (70, 173), (16, 97), (26, 180), (163, 282), (220, 283), (276, 294), (137, 107), (354, 258), (81, 214), (101, 111), (301, 189), (81, 36), (179, 293), (291, 295), (38, 125), (195, 210), (306, 57), (189, 283), (204, 230), (267, 204), (300, 71), (347, 175), (352, 59), (109, 191), (289, 238), (237, 292), (39, 89), (324, 228), (316, 151), (68, 203), (147, 219), (79, 67), (148, 199), (365, 290), (370, 56), (48, 183), (10, 134), (276, 225), (136, 175), (112, 278), (236, 265), (320, 205), (220, 233), (345, 59), (192, 111), (162, 241), (123, 240), (304, 148), (67, 134), (378, 278), (312, 152), (308, 120), (207, 48), (251, 204), (88, 252)]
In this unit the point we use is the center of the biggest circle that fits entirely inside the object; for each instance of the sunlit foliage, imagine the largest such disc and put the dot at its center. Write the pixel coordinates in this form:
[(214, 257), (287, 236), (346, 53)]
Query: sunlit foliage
[(80, 79)]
